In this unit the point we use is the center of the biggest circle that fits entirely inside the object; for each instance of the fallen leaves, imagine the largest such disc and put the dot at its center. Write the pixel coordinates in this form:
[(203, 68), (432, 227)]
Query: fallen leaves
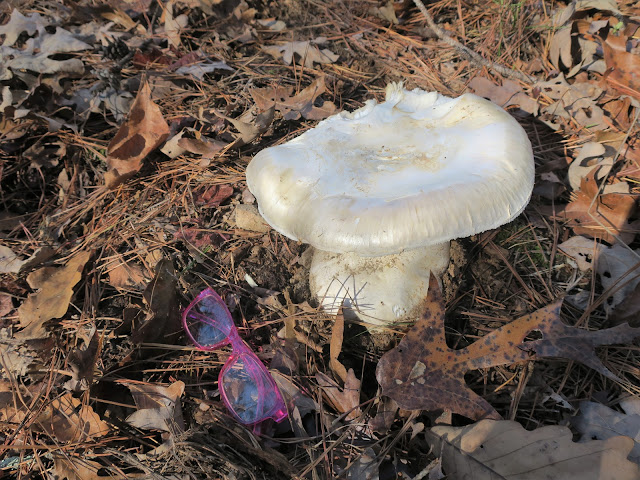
[(38, 50), (158, 406), (55, 289), (162, 322), (308, 52), (143, 132), (292, 107), (68, 420), (616, 266), (603, 216), (249, 126), (597, 421), (344, 400), (623, 66), (423, 373), (9, 261), (504, 449), (505, 95)]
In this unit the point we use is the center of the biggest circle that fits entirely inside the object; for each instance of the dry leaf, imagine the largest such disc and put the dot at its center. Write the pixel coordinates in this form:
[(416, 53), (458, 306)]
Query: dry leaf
[(385, 12), (9, 261), (55, 285), (576, 101), (346, 399), (125, 274), (202, 239), (628, 310), (68, 420), (272, 24), (249, 129), (199, 70), (37, 52), (213, 196), (607, 217), (560, 48), (624, 66), (599, 422), (173, 25), (336, 346), (158, 406), (615, 265), (293, 106), (495, 450), (161, 295), (76, 468), (423, 373), (307, 51), (82, 362), (6, 304), (592, 156), (510, 93), (204, 146), (143, 132)]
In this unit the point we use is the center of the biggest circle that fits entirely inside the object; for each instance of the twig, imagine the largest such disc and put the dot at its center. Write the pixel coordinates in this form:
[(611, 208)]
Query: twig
[(467, 52)]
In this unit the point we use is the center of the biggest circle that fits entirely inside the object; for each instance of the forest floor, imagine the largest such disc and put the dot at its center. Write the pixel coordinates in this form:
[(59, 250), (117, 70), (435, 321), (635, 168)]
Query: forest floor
[(105, 239)]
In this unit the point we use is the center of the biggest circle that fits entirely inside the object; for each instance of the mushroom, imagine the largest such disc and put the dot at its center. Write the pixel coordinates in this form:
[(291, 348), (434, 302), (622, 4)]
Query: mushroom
[(380, 192)]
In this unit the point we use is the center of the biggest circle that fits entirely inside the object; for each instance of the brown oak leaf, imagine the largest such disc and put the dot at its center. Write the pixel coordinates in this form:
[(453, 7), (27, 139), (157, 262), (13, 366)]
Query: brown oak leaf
[(55, 289), (142, 133), (608, 216), (623, 65), (292, 107), (423, 373)]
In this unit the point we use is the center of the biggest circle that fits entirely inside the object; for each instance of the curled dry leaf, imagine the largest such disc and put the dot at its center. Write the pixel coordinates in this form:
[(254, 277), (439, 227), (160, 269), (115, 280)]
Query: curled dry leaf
[(335, 346), (423, 373), (292, 107), (346, 399), (494, 450), (55, 289), (158, 406), (142, 133), (41, 51), (249, 129)]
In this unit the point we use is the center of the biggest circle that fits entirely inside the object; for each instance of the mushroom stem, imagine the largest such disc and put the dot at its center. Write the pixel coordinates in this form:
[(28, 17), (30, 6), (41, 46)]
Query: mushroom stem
[(378, 290)]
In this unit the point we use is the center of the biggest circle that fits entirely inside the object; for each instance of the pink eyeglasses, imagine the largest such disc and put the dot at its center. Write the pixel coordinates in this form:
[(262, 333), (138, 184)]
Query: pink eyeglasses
[(246, 386)]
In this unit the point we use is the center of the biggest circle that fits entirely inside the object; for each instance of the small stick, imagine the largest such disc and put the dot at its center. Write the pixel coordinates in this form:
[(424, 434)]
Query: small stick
[(467, 52)]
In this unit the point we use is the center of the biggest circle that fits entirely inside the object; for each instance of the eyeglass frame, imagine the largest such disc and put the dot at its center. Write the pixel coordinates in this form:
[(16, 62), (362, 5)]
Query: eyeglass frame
[(239, 350)]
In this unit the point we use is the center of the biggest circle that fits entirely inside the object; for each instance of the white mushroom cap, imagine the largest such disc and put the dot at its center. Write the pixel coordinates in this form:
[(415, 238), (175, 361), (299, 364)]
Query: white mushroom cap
[(416, 170)]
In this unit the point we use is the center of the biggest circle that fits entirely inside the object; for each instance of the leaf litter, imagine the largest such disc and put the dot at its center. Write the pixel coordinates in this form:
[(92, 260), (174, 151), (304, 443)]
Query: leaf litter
[(423, 373), (178, 213)]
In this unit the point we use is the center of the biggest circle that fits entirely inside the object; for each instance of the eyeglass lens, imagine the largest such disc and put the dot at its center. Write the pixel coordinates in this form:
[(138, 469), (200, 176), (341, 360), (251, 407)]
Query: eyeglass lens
[(250, 392), (208, 322)]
